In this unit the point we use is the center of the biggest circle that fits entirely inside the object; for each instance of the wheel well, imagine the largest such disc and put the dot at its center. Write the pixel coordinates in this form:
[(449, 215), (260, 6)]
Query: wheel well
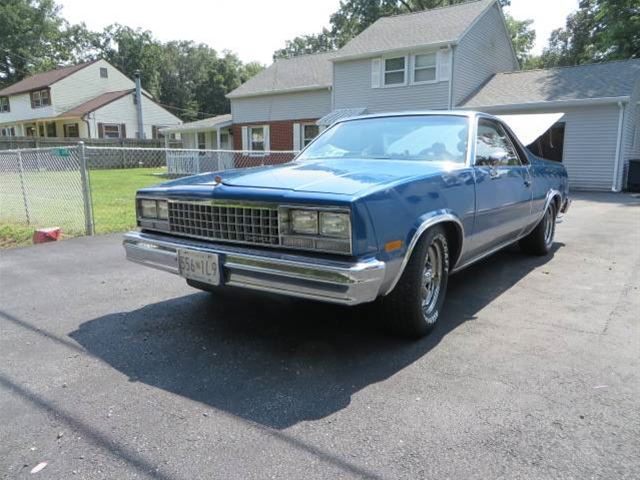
[(556, 201), (454, 238)]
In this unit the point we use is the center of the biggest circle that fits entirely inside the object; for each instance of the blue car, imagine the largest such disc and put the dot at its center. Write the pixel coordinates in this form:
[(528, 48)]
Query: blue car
[(377, 208)]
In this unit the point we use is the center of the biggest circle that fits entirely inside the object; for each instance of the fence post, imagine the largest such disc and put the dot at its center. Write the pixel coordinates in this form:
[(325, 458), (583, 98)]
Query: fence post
[(86, 190), (24, 190)]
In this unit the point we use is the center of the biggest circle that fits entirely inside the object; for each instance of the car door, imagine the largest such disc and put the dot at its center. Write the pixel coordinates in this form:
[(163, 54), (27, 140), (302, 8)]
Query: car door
[(503, 187)]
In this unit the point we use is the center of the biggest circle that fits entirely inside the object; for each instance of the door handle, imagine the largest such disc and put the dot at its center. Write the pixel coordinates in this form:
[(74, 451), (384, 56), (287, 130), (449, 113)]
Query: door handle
[(493, 173)]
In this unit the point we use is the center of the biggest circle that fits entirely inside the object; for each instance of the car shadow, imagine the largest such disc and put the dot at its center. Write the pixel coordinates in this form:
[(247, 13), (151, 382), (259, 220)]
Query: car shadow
[(279, 361)]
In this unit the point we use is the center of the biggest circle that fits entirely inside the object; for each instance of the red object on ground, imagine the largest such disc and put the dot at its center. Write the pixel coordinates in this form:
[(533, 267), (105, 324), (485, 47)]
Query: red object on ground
[(44, 235)]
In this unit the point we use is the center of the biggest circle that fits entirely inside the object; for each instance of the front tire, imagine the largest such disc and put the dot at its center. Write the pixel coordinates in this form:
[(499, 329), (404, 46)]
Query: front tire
[(540, 240), (413, 307)]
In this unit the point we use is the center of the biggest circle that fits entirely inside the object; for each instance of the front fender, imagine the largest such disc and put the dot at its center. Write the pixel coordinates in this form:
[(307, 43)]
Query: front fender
[(401, 214), (424, 223)]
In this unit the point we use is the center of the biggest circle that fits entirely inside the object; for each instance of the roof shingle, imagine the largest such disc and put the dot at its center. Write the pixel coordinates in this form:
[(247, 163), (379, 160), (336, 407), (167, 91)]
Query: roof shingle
[(95, 103), (582, 82), (204, 124), (304, 71), (42, 80), (412, 30)]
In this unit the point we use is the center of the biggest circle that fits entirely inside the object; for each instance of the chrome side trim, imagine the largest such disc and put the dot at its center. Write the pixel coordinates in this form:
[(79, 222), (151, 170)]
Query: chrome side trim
[(551, 194), (439, 217), (336, 281), (486, 254)]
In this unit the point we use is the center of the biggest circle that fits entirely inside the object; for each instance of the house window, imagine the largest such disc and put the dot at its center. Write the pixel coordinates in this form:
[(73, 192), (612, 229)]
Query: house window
[(104, 73), (424, 68), (40, 98), (309, 132), (224, 141), (256, 139), (71, 130), (4, 104), (52, 130), (202, 141), (30, 130), (111, 130), (8, 132), (394, 71), (41, 130)]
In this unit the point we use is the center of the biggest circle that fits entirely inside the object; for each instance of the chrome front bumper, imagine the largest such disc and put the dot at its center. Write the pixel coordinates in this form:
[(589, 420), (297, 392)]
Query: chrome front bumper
[(296, 275)]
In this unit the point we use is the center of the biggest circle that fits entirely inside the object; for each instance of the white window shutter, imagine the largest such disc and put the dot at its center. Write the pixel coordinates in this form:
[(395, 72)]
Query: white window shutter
[(245, 138), (267, 138), (376, 70), (444, 65), (297, 135)]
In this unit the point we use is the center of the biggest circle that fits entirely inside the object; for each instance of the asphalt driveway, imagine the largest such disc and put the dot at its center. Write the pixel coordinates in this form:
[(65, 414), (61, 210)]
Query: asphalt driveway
[(112, 370)]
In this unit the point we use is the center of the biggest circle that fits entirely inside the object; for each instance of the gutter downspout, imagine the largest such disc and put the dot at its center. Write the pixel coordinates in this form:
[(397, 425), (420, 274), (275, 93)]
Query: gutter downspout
[(86, 121), (139, 104), (616, 165), (451, 78)]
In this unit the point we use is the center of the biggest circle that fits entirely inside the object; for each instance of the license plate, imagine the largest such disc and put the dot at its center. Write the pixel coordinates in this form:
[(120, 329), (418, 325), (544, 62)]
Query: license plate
[(199, 266)]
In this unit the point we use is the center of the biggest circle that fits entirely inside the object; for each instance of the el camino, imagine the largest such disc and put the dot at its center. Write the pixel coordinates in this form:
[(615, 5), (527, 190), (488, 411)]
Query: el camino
[(377, 208)]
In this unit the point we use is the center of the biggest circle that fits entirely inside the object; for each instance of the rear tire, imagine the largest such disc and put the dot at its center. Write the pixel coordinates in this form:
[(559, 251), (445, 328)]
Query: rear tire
[(413, 307), (540, 240)]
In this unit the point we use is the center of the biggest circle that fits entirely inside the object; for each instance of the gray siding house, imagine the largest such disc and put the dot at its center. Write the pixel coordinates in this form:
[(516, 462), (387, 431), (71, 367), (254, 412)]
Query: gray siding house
[(426, 60), (601, 115), (456, 57)]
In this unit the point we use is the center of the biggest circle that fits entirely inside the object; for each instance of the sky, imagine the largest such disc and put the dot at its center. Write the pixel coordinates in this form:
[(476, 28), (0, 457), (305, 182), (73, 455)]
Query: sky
[(254, 29)]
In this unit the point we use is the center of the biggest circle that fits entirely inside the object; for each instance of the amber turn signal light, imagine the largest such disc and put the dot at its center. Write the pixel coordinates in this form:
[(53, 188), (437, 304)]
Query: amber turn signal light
[(392, 246)]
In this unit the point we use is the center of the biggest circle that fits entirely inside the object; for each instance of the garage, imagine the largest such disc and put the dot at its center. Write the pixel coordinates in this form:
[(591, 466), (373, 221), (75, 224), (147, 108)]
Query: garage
[(596, 135)]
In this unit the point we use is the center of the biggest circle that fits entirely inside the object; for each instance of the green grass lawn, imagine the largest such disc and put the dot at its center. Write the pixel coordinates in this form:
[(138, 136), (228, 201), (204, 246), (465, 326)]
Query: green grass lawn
[(113, 193), (15, 235), (55, 199)]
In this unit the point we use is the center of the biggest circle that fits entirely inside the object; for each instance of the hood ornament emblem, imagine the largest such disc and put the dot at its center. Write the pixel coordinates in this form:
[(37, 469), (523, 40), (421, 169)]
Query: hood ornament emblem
[(217, 179)]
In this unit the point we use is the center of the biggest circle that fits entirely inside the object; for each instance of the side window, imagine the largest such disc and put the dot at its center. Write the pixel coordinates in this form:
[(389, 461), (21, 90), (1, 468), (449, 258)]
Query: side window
[(493, 146)]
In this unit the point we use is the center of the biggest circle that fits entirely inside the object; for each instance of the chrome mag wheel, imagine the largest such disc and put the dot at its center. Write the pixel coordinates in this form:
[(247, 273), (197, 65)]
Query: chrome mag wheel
[(432, 280), (549, 226)]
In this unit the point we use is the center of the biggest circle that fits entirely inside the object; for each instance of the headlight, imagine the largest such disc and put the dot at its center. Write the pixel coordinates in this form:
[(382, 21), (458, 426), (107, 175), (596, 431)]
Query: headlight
[(154, 209), (323, 229), (304, 221), (335, 224), (149, 209), (163, 210)]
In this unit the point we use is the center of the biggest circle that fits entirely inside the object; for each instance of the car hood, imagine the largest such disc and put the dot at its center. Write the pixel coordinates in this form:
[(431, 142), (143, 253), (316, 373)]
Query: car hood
[(337, 176)]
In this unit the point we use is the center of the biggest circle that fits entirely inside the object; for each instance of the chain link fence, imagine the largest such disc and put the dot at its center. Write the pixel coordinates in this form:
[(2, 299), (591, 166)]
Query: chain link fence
[(44, 187), (91, 189)]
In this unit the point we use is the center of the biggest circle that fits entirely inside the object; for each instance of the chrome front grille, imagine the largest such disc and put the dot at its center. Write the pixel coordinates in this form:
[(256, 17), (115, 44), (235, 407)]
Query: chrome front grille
[(232, 223)]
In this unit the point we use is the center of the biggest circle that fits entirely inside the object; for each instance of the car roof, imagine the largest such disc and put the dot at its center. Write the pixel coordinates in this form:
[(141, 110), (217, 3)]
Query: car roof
[(414, 113)]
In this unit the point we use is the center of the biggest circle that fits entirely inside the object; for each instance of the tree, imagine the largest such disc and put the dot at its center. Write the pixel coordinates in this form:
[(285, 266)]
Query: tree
[(189, 79), (523, 37), (354, 16), (129, 50), (34, 38), (600, 30)]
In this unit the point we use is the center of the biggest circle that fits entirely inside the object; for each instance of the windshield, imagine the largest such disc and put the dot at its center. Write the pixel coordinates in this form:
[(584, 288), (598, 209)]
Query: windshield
[(429, 138)]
